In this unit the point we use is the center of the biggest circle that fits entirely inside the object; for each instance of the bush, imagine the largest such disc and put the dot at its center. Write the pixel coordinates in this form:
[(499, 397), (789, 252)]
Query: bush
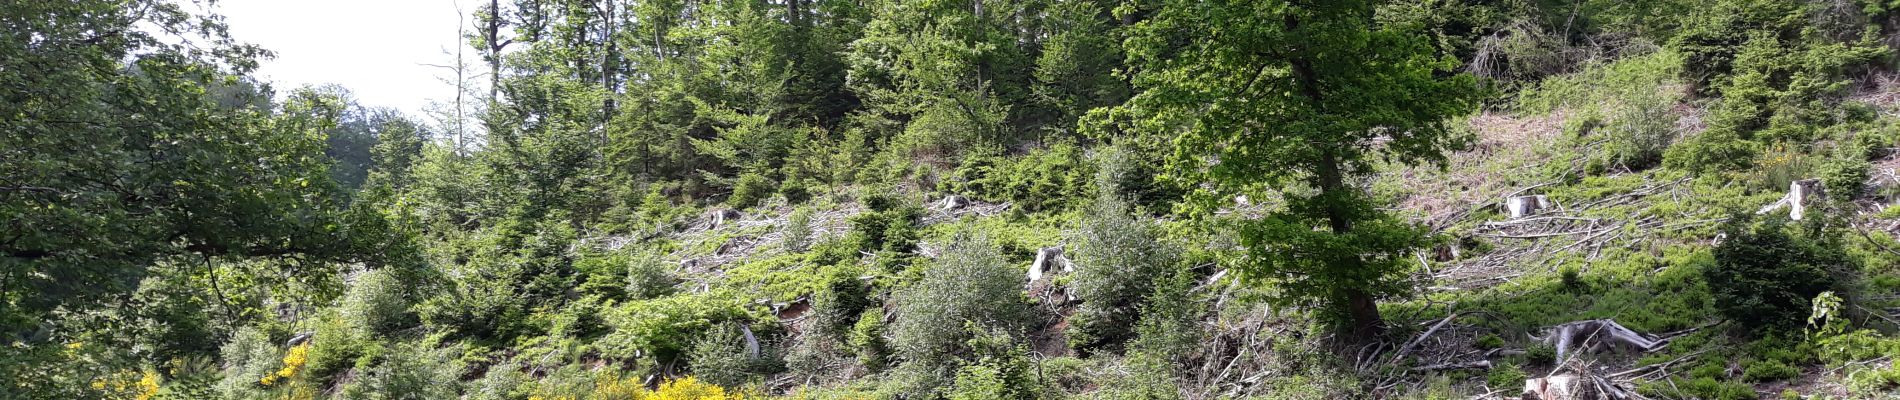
[(335, 347), (749, 190), (1045, 179), (248, 357), (795, 190), (1845, 176), (1506, 376), (969, 283), (888, 225), (377, 304), (408, 372), (1763, 277), (867, 337), (1768, 370), (649, 277), (1627, 104), (1002, 369), (504, 381), (1169, 329), (719, 357), (797, 231), (1120, 258), (665, 327)]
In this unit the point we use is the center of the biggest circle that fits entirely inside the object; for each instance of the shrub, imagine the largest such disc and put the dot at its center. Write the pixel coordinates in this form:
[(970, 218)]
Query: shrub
[(1845, 176), (1120, 257), (749, 190), (1716, 149), (795, 190), (1169, 331), (888, 225), (1768, 370), (248, 357), (649, 277), (1763, 277), (719, 357), (335, 347), (1002, 369), (409, 371), (867, 337), (665, 327), (503, 381), (1506, 376), (1044, 179), (1626, 104), (1541, 354), (969, 283), (377, 304), (797, 231)]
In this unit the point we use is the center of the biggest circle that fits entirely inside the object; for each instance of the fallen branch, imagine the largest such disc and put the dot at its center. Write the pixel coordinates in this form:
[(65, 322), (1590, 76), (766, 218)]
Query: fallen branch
[(1407, 348), (1480, 364)]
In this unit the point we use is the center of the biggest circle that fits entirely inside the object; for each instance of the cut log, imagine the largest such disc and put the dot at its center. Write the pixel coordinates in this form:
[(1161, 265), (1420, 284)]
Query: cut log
[(1598, 335), (1524, 206), (1801, 194)]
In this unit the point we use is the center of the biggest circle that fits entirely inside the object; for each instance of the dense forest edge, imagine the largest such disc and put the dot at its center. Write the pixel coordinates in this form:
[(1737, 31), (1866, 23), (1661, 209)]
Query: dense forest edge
[(966, 199)]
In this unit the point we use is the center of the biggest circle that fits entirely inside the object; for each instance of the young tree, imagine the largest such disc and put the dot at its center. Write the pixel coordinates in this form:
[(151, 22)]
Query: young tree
[(1303, 97)]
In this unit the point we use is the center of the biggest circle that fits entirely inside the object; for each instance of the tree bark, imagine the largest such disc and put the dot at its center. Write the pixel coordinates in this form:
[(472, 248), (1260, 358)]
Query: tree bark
[(1330, 176)]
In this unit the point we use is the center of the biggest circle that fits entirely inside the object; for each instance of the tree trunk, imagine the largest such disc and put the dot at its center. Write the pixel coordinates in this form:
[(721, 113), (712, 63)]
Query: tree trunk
[(1359, 304)]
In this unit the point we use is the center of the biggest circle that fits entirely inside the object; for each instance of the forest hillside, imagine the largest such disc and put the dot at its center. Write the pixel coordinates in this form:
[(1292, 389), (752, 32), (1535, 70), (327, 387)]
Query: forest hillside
[(966, 199)]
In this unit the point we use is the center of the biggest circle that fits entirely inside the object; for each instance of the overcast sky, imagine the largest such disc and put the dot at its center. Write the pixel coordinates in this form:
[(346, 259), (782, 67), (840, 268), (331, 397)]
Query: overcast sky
[(372, 47)]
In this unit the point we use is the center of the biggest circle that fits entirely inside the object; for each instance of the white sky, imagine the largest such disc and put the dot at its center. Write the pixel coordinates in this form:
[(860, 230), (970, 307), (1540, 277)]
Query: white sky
[(372, 47)]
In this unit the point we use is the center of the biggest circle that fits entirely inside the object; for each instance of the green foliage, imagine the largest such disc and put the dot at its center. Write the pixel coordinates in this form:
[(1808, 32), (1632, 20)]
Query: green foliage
[(249, 356), (889, 225), (1763, 276), (664, 328), (1507, 376), (1045, 179), (1248, 118), (377, 305), (1627, 105), (649, 277), (336, 347), (1768, 370), (1001, 369), (408, 372), (797, 231), (968, 283), (749, 190), (867, 336), (1121, 258), (502, 381), (719, 357), (1845, 175)]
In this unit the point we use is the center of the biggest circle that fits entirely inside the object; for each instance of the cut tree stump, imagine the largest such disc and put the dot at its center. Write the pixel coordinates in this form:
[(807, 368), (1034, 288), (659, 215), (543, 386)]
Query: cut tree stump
[(716, 218), (1524, 206), (953, 202), (1801, 193), (1047, 260)]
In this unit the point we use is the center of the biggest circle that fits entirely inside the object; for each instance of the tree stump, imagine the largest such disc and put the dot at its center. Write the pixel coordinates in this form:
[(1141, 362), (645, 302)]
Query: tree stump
[(1524, 206), (1801, 193), (1047, 260)]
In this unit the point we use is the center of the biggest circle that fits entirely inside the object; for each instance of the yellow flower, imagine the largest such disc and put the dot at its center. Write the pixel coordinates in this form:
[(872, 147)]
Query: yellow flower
[(148, 385)]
